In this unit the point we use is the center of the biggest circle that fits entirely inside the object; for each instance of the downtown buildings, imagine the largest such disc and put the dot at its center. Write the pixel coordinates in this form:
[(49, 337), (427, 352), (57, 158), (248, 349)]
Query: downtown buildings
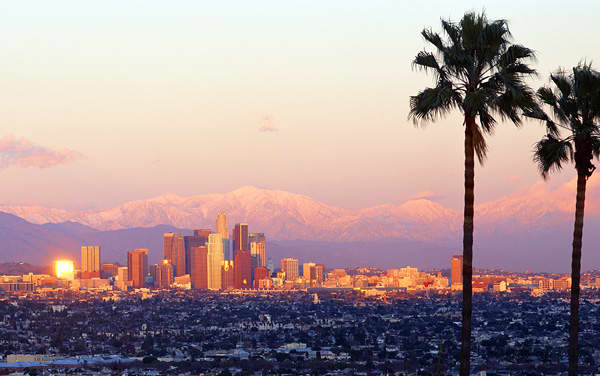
[(209, 264), (90, 262)]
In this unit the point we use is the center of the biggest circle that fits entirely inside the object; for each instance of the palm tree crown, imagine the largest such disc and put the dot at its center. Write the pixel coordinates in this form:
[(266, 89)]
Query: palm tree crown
[(575, 106), (477, 71)]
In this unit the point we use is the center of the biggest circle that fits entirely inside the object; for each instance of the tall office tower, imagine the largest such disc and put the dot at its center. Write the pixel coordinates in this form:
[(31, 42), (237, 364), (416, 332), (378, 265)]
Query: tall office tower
[(223, 230), (174, 249), (228, 275), (240, 238), (456, 266), (309, 272), (319, 272), (260, 273), (164, 275), (199, 239), (289, 266), (90, 262), (199, 267), (258, 248), (243, 270), (215, 260), (137, 267)]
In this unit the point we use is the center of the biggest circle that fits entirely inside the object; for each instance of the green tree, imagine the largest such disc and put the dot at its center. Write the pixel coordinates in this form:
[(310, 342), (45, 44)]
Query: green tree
[(572, 135), (479, 72)]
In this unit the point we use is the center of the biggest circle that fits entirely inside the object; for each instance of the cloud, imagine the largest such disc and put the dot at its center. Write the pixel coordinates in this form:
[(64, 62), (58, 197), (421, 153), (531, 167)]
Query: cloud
[(426, 195), (267, 125), (23, 153)]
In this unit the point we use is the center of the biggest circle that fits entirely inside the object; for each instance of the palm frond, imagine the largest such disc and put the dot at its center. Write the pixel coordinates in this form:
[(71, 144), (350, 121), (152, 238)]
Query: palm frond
[(480, 145), (432, 103), (551, 153)]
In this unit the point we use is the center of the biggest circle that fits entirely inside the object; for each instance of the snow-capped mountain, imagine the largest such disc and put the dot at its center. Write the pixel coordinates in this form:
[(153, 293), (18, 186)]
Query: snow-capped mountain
[(289, 216)]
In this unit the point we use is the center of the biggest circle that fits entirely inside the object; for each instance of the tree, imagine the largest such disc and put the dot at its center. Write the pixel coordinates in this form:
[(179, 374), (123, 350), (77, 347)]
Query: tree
[(575, 108), (479, 72)]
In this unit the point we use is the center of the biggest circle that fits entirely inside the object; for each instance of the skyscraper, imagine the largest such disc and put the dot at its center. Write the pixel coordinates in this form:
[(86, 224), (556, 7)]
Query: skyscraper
[(309, 272), (258, 248), (319, 272), (456, 266), (215, 261), (260, 273), (199, 239), (223, 230), (164, 275), (137, 266), (240, 238), (122, 274), (90, 262), (243, 270), (228, 275), (199, 267), (289, 266), (174, 250)]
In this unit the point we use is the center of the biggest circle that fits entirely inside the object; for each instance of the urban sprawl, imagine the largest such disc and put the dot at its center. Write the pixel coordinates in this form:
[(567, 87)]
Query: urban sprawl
[(215, 305)]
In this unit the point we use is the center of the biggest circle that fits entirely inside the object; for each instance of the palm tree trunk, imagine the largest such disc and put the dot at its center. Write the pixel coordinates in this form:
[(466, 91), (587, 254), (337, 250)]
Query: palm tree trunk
[(575, 274), (467, 272)]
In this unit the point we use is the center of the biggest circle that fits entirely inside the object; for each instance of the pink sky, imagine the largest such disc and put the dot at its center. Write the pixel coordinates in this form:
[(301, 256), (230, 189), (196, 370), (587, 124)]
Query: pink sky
[(300, 96)]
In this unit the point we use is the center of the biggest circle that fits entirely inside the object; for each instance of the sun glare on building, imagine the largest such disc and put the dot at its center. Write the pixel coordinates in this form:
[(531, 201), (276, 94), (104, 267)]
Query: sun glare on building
[(64, 269)]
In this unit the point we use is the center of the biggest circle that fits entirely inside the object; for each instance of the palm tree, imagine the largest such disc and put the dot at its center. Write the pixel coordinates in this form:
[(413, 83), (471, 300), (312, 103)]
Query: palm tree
[(481, 73), (575, 106)]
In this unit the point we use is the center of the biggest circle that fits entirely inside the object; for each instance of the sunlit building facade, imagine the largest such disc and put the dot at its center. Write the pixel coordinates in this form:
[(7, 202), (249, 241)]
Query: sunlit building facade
[(90, 262), (174, 251), (199, 267), (289, 266), (215, 261), (240, 238), (456, 266), (223, 230), (137, 267), (243, 270)]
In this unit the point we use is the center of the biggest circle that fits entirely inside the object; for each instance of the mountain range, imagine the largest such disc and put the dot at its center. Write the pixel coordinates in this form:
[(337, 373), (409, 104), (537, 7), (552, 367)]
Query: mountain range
[(530, 228)]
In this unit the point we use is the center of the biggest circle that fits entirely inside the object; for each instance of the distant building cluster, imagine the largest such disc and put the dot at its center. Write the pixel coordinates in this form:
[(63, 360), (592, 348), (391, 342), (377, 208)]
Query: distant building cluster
[(221, 261)]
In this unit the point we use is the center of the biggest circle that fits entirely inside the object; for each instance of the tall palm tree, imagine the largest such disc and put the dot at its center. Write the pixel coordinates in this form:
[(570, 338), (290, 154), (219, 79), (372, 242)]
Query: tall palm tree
[(479, 72), (575, 108)]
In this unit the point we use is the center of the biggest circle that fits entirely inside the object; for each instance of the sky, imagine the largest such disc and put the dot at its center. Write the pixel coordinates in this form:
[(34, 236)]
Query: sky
[(106, 102)]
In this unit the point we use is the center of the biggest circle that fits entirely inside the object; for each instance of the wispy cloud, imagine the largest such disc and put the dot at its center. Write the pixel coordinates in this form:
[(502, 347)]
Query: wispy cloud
[(21, 152), (426, 195), (267, 125)]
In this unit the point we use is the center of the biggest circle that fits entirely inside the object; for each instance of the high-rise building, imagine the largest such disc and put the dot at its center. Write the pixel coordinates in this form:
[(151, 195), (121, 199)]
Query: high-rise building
[(456, 266), (309, 272), (199, 267), (258, 248), (228, 275), (260, 273), (164, 274), (174, 251), (90, 262), (243, 270), (215, 261), (319, 272), (122, 274), (137, 267), (240, 238), (223, 230), (289, 266), (199, 239)]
